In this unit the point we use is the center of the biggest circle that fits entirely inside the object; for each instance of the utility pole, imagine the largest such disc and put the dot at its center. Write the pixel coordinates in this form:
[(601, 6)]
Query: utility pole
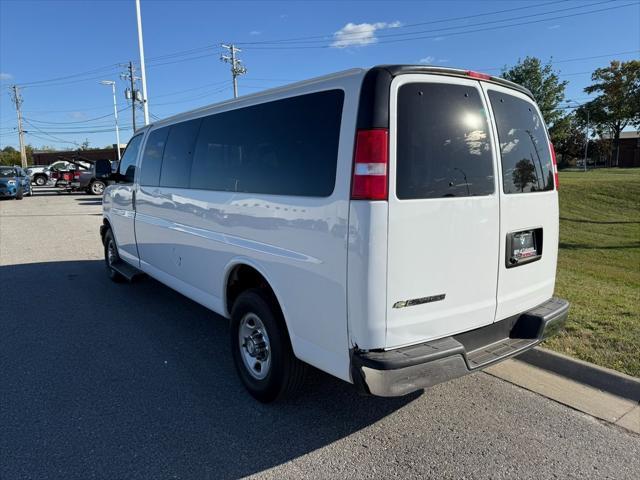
[(17, 98), (145, 103), (131, 93), (236, 68)]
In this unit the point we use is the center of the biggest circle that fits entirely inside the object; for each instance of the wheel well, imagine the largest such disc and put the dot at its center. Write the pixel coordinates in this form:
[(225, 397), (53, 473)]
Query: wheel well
[(244, 277)]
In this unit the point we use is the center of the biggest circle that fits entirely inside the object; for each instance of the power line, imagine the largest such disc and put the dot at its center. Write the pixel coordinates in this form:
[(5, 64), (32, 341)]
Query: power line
[(567, 60), (79, 121), (463, 32), (360, 35), (60, 81), (73, 75)]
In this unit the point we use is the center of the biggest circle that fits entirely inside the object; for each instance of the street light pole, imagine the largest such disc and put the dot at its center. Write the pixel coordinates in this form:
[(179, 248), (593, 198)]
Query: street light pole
[(143, 75), (115, 112)]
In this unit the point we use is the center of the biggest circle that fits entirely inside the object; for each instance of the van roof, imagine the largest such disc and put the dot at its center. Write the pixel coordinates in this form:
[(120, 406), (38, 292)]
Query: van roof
[(389, 71)]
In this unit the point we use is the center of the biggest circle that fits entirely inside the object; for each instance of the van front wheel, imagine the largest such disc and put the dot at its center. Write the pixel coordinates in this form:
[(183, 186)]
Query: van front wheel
[(261, 348)]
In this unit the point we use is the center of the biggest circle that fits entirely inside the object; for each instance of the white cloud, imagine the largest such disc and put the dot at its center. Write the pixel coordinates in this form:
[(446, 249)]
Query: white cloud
[(78, 115), (359, 34), (427, 60), (255, 32), (438, 39), (5, 76), (553, 27)]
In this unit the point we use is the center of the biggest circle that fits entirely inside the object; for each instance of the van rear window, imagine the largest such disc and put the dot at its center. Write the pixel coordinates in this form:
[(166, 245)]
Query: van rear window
[(526, 160), (443, 142)]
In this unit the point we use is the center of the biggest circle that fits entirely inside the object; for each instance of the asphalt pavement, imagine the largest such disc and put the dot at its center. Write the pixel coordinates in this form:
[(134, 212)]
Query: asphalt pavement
[(117, 381)]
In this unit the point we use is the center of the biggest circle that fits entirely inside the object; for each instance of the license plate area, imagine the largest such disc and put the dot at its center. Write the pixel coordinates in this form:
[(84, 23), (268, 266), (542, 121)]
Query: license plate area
[(524, 246)]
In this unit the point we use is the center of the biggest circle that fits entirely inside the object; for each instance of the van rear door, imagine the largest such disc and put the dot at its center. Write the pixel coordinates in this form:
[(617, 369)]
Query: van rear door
[(444, 218), (528, 203)]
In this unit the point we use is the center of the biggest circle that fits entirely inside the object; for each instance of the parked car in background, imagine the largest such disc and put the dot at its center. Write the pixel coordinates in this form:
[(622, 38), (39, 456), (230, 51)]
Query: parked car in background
[(38, 174), (14, 183), (91, 177)]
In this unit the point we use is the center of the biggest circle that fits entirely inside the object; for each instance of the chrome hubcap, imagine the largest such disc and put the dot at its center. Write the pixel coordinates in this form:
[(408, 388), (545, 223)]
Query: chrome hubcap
[(255, 348), (98, 187)]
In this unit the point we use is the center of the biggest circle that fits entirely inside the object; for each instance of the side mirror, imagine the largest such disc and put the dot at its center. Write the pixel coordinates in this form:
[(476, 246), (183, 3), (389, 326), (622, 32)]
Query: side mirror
[(116, 177)]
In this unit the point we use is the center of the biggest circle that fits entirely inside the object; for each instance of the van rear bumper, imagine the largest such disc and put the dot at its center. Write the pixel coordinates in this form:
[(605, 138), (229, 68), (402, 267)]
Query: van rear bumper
[(401, 371)]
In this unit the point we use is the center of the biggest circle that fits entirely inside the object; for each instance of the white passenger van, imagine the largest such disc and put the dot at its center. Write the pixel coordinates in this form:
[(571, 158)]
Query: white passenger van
[(395, 226)]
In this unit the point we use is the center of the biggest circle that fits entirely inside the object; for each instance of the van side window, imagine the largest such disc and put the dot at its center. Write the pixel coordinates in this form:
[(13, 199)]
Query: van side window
[(152, 157), (127, 166), (443, 142), (526, 160), (178, 153), (283, 147)]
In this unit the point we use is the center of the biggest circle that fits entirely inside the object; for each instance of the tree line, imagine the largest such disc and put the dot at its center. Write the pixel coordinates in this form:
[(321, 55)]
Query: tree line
[(615, 107)]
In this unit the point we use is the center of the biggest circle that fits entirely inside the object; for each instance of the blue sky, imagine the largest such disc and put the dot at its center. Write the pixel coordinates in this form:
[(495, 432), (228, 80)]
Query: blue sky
[(65, 38)]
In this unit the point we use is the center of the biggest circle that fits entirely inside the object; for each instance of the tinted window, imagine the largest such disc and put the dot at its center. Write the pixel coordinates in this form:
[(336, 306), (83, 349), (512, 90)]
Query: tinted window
[(178, 153), (285, 147), (128, 160), (443, 142), (152, 157), (526, 161)]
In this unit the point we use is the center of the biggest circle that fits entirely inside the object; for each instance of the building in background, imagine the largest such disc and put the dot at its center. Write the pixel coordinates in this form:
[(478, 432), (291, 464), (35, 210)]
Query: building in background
[(48, 157)]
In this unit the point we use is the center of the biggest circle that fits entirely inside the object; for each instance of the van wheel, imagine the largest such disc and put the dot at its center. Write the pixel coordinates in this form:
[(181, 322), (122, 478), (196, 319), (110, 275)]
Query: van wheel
[(111, 257), (262, 350), (97, 187)]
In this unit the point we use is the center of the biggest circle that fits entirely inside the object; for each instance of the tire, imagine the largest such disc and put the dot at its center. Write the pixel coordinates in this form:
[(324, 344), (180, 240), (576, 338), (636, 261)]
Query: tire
[(259, 337), (40, 180), (97, 187), (111, 256), (19, 194)]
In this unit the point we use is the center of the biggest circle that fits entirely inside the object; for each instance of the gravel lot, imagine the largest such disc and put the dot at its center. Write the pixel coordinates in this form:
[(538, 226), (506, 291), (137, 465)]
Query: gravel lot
[(99, 380)]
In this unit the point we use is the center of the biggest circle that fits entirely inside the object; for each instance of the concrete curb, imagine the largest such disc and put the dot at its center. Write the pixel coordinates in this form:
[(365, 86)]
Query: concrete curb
[(605, 379), (603, 405)]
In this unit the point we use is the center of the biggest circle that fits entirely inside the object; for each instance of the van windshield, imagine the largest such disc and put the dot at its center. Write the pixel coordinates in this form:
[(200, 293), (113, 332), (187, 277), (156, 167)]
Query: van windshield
[(526, 159)]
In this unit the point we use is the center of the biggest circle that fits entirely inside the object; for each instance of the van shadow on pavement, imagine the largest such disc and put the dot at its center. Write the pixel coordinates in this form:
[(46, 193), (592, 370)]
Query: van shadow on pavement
[(136, 381)]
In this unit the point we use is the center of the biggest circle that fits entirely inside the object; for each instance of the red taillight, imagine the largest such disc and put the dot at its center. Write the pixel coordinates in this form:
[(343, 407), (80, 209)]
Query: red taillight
[(76, 175), (555, 167), (370, 163), (481, 76)]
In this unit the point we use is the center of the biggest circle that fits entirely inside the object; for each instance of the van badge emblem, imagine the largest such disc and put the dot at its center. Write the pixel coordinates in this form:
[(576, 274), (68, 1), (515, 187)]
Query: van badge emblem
[(419, 301)]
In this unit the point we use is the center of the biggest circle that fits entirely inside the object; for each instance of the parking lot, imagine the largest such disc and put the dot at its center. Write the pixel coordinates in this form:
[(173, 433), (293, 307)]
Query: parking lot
[(105, 380)]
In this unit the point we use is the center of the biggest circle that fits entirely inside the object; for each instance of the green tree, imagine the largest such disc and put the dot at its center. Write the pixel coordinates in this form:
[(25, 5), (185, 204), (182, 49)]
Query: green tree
[(618, 102), (571, 144), (546, 87), (11, 156)]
